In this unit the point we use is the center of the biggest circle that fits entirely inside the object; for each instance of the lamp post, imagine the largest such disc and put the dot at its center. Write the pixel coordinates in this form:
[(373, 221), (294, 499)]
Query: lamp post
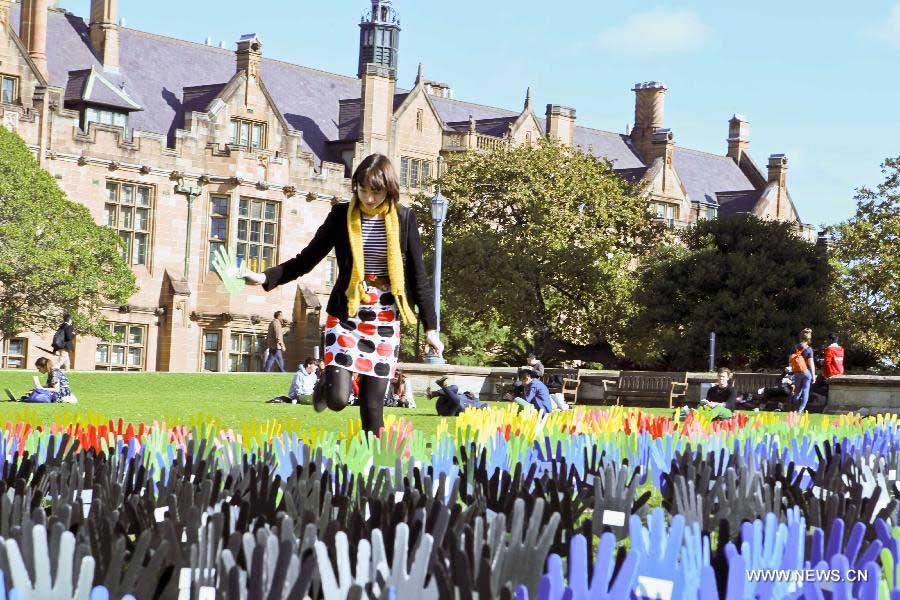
[(438, 206)]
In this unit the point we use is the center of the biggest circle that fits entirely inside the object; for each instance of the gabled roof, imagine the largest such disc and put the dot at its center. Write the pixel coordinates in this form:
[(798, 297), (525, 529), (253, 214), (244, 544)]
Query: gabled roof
[(349, 115), (705, 175), (169, 77), (737, 202), (614, 147), (90, 86)]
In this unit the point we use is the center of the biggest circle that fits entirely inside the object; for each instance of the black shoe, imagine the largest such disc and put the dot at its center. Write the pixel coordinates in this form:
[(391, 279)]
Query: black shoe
[(337, 405), (318, 396), (441, 382)]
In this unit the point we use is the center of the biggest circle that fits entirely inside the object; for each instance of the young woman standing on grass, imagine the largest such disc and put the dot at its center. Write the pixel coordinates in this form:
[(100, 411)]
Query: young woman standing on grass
[(381, 276)]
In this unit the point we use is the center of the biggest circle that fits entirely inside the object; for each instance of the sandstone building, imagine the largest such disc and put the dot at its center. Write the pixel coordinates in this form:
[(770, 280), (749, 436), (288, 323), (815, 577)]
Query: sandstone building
[(185, 147)]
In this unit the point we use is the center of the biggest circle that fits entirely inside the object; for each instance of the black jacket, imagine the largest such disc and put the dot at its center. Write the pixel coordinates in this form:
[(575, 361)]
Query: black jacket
[(333, 234)]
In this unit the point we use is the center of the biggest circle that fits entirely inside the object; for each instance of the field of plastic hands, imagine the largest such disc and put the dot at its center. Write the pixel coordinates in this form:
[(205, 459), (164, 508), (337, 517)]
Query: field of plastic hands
[(584, 504)]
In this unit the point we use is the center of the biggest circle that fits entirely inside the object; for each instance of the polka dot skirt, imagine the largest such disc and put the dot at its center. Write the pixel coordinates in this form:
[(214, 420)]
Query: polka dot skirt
[(368, 343)]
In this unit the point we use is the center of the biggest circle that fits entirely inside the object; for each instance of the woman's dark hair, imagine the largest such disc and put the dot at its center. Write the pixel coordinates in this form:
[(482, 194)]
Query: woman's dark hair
[(377, 173), (531, 355), (834, 338), (309, 361), (277, 314), (43, 363)]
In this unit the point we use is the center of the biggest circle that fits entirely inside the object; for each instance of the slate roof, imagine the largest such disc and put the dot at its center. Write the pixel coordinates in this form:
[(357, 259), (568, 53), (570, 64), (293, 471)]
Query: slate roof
[(737, 202), (613, 146), (88, 85), (349, 112), (169, 77), (704, 175)]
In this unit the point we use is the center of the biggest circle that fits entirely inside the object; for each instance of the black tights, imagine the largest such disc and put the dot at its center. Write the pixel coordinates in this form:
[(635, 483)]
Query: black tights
[(338, 388)]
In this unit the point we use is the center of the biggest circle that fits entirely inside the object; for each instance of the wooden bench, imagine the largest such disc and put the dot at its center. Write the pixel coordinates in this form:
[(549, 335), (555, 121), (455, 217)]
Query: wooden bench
[(647, 385), (750, 383), (571, 380)]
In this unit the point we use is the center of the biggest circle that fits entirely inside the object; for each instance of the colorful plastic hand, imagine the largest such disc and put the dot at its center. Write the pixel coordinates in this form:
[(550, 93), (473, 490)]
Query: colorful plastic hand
[(521, 558), (407, 583), (228, 270), (44, 586), (657, 549), (338, 587), (614, 499)]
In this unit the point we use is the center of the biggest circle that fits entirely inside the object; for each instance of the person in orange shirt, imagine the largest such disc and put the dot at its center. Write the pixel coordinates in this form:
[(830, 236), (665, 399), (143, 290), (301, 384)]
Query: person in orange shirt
[(834, 357)]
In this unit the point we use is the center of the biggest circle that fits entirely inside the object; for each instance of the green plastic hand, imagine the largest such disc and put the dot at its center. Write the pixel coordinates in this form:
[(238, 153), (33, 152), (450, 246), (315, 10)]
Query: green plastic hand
[(228, 270)]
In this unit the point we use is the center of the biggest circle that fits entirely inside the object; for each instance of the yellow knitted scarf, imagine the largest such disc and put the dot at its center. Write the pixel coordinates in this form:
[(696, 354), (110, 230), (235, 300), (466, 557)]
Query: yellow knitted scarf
[(394, 260)]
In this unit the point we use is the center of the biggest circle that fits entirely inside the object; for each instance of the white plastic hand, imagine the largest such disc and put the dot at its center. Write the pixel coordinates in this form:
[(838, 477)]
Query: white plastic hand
[(43, 587)]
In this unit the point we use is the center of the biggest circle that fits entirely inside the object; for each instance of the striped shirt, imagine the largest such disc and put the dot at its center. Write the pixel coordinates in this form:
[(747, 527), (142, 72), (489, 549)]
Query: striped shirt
[(374, 241)]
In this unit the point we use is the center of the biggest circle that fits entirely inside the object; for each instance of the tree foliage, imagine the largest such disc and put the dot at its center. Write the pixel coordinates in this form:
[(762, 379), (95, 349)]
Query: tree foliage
[(867, 252), (755, 283), (541, 239), (53, 256)]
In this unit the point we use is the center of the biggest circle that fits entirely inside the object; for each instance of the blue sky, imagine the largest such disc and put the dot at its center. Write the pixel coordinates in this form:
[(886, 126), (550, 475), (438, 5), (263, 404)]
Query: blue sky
[(818, 81)]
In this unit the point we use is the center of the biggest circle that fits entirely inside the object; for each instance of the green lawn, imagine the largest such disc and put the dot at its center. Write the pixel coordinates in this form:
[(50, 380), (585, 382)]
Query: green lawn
[(232, 398)]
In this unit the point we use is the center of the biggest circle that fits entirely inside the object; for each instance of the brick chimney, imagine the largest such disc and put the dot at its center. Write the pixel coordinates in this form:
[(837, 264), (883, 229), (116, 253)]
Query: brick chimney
[(738, 137), (778, 166), (649, 104), (249, 56), (662, 145), (104, 32), (33, 32), (561, 123), (377, 108)]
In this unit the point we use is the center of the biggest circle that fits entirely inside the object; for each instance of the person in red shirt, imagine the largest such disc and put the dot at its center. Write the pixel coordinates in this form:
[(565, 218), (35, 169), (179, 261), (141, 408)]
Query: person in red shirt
[(834, 357)]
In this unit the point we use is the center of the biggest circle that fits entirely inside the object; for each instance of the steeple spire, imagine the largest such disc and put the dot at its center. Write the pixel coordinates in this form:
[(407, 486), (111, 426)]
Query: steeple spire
[(420, 77), (528, 99)]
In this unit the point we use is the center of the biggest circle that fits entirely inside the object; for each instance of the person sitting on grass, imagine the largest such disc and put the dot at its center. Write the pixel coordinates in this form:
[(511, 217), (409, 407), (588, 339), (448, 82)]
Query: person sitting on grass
[(301, 385), (534, 393), (721, 394), (55, 390), (720, 400), (400, 392)]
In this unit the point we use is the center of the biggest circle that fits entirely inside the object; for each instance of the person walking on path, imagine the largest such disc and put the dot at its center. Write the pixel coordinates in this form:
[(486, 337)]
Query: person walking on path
[(381, 277), (275, 344), (64, 342), (803, 366)]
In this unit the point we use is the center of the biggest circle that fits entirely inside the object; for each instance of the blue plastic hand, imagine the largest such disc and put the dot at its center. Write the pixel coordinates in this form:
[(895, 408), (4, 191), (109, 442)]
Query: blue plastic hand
[(658, 571), (694, 556)]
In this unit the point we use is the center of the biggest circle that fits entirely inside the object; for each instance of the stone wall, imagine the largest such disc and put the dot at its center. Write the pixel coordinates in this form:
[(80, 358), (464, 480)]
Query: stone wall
[(869, 394)]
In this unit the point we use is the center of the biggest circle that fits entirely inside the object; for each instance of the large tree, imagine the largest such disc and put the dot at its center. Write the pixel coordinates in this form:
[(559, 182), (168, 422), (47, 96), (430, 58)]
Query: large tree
[(541, 240), (867, 252), (753, 282), (53, 256)]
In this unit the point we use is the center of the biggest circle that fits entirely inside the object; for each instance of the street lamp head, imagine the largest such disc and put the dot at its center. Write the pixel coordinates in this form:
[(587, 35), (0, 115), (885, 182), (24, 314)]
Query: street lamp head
[(438, 207)]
